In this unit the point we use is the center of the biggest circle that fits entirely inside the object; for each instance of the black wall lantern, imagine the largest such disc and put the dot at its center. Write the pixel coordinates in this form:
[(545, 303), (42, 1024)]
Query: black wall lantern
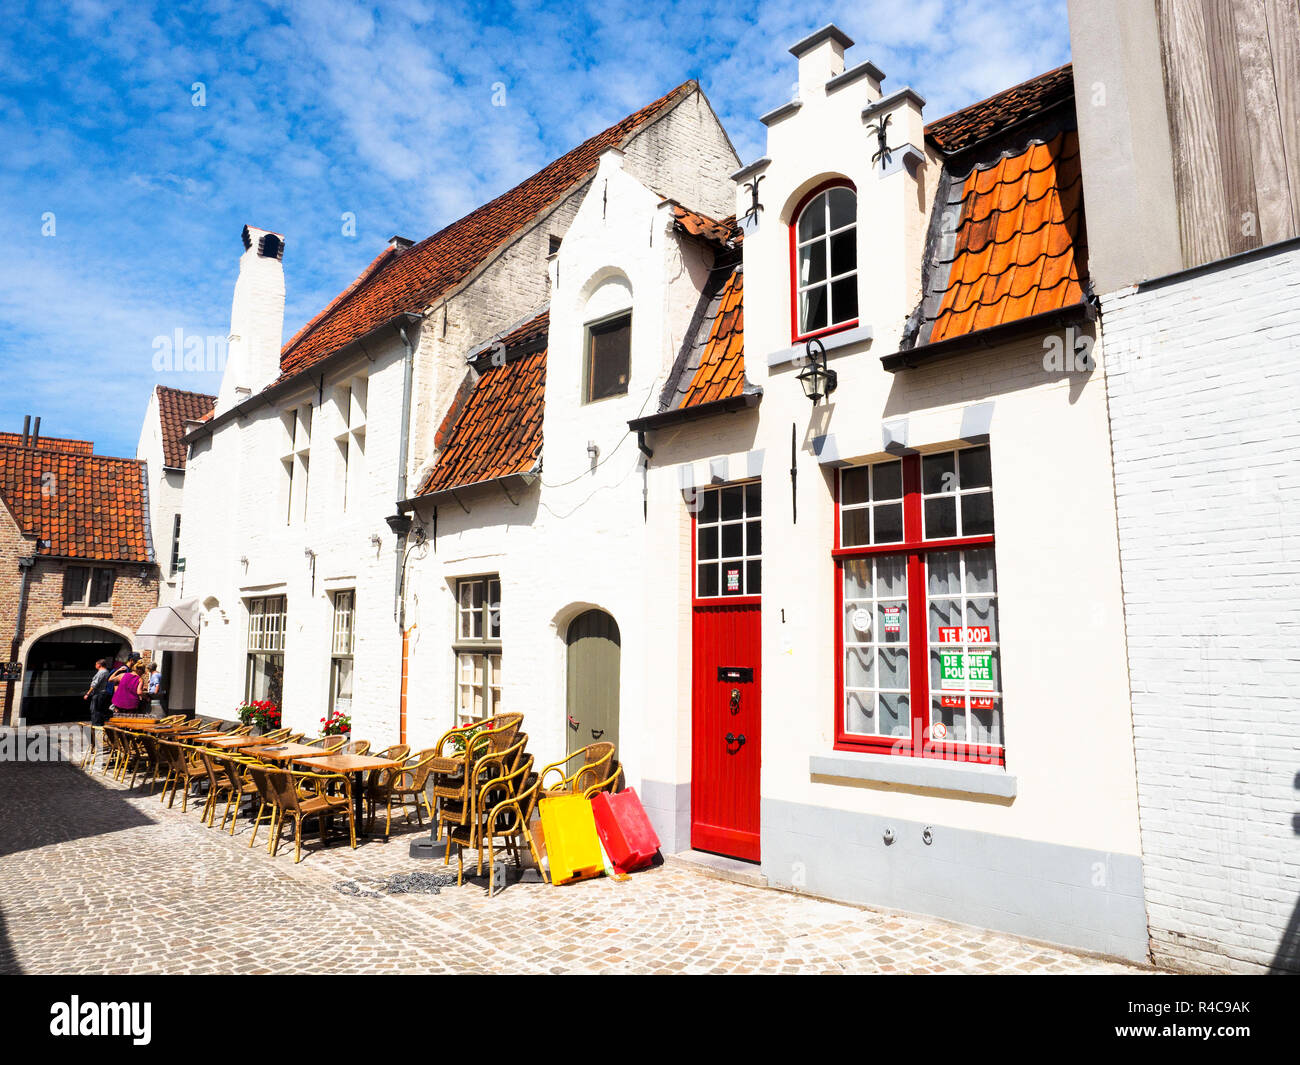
[(816, 379), (400, 523)]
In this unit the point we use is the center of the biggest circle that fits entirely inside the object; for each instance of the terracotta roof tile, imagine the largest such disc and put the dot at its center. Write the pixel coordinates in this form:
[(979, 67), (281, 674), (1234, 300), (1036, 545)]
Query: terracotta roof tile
[(721, 371), (77, 505), (1019, 247), (175, 408), (498, 430), (50, 443), (724, 231), (963, 128), (415, 278)]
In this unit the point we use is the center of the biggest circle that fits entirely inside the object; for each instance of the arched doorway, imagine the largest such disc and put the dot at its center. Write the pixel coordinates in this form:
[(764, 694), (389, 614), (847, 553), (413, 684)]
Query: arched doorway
[(592, 687), (58, 669)]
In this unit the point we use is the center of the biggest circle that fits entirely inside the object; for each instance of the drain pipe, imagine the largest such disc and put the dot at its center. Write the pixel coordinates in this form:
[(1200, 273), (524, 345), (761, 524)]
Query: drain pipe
[(25, 564), (399, 574)]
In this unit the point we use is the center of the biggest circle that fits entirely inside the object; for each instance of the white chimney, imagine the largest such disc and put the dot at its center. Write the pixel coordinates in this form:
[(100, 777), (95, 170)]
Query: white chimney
[(821, 57), (256, 318)]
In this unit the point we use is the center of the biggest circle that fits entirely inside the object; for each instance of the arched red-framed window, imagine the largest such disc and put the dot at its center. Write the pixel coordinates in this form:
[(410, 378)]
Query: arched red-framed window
[(824, 261)]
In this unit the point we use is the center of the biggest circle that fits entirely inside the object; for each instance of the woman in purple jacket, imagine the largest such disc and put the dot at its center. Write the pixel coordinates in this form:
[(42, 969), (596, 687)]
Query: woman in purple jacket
[(127, 695)]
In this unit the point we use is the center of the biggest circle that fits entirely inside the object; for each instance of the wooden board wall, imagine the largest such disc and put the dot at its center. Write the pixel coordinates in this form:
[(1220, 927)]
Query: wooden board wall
[(1232, 89)]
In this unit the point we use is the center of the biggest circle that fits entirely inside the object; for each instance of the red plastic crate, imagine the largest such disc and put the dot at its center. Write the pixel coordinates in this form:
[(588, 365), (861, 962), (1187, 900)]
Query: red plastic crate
[(625, 830)]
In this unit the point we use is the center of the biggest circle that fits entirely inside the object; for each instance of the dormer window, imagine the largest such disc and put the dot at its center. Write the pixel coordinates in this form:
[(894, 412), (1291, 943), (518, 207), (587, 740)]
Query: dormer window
[(825, 259)]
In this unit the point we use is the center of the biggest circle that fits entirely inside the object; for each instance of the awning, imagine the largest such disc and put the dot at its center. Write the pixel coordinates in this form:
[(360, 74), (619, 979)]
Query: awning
[(174, 627)]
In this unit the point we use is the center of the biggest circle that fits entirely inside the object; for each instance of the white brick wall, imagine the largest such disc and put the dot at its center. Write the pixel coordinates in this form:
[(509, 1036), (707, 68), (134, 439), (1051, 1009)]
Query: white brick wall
[(1204, 390)]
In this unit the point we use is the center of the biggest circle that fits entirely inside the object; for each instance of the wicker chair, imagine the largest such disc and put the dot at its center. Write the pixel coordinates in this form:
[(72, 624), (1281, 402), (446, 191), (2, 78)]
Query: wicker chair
[(461, 748), (408, 786), (328, 744), (321, 805), (97, 746), (276, 735), (379, 780), (258, 774), (358, 747), (172, 719), (597, 760), (236, 784), (184, 765), (505, 807)]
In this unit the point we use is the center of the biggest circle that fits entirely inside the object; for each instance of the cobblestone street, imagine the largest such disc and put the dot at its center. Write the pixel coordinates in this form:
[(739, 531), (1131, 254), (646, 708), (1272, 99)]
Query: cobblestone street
[(97, 878)]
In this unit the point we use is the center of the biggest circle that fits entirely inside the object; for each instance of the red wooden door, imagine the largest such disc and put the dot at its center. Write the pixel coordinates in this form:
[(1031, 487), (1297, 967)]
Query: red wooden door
[(726, 730)]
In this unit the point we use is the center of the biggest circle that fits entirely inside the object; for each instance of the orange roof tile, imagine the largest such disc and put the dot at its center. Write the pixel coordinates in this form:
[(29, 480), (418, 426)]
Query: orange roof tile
[(498, 431), (413, 279), (961, 129), (1019, 247), (77, 505), (50, 443), (175, 408), (722, 231), (721, 370)]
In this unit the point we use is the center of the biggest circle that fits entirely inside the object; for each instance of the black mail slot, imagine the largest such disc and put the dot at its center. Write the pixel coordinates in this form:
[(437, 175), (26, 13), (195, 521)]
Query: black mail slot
[(736, 674)]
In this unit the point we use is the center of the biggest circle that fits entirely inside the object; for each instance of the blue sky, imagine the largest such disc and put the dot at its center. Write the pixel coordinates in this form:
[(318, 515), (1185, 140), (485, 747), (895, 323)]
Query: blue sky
[(121, 202)]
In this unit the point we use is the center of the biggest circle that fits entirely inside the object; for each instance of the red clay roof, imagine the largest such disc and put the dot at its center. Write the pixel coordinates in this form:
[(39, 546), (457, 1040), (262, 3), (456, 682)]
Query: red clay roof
[(963, 128), (85, 506), (721, 372), (701, 225), (498, 431), (175, 408), (50, 443), (415, 278), (1020, 244)]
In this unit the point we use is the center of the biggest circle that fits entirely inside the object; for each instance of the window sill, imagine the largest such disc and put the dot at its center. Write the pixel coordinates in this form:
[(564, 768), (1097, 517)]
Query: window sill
[(932, 773), (830, 341), (88, 611)]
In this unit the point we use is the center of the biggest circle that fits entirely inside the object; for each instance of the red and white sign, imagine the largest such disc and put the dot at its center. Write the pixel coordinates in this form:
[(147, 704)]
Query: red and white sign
[(891, 618), (733, 578), (969, 634), (958, 702)]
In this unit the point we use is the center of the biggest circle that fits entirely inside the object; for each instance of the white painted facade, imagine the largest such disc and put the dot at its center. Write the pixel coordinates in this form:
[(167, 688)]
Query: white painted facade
[(247, 534), (1047, 846), (166, 491), (577, 538), (1203, 392)]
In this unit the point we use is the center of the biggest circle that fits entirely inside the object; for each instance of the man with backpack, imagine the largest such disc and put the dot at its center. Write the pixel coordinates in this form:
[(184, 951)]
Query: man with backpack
[(99, 693)]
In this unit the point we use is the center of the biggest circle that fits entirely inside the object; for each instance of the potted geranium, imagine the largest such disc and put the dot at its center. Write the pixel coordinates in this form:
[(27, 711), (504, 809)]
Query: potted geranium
[(262, 714), (336, 724)]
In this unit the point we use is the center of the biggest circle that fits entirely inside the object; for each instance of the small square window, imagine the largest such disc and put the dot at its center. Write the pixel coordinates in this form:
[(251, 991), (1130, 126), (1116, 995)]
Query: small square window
[(609, 358)]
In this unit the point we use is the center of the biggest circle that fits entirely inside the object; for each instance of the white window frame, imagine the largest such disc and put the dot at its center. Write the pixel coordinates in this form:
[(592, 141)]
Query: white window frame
[(477, 654), (822, 200)]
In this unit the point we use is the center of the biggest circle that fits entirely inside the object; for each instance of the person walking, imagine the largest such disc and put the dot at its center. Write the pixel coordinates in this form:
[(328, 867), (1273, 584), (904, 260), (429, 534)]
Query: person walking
[(97, 695)]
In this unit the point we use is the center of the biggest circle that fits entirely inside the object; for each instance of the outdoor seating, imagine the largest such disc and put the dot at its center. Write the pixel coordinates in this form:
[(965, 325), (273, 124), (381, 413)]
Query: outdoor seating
[(321, 805), (377, 781), (258, 774), (408, 786), (357, 747), (184, 766), (328, 744), (457, 751), (229, 777), (597, 760), (505, 806)]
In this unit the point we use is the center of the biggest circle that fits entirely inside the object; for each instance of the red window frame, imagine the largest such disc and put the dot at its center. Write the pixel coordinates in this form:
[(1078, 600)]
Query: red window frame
[(793, 227), (917, 744)]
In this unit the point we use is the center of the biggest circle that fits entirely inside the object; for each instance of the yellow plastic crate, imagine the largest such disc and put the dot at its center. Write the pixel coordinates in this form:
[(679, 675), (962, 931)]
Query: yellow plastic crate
[(572, 845)]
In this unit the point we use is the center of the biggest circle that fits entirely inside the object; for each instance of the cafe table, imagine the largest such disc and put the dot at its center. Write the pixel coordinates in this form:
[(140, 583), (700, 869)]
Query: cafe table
[(352, 765), (286, 752), (235, 743)]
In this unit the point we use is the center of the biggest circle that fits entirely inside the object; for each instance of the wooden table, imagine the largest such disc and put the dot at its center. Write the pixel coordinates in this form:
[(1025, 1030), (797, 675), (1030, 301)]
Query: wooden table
[(234, 743), (353, 765), (286, 752)]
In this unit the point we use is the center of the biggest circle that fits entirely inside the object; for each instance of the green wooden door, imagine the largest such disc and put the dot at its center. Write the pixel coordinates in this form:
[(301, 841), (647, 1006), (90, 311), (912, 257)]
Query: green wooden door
[(593, 679)]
